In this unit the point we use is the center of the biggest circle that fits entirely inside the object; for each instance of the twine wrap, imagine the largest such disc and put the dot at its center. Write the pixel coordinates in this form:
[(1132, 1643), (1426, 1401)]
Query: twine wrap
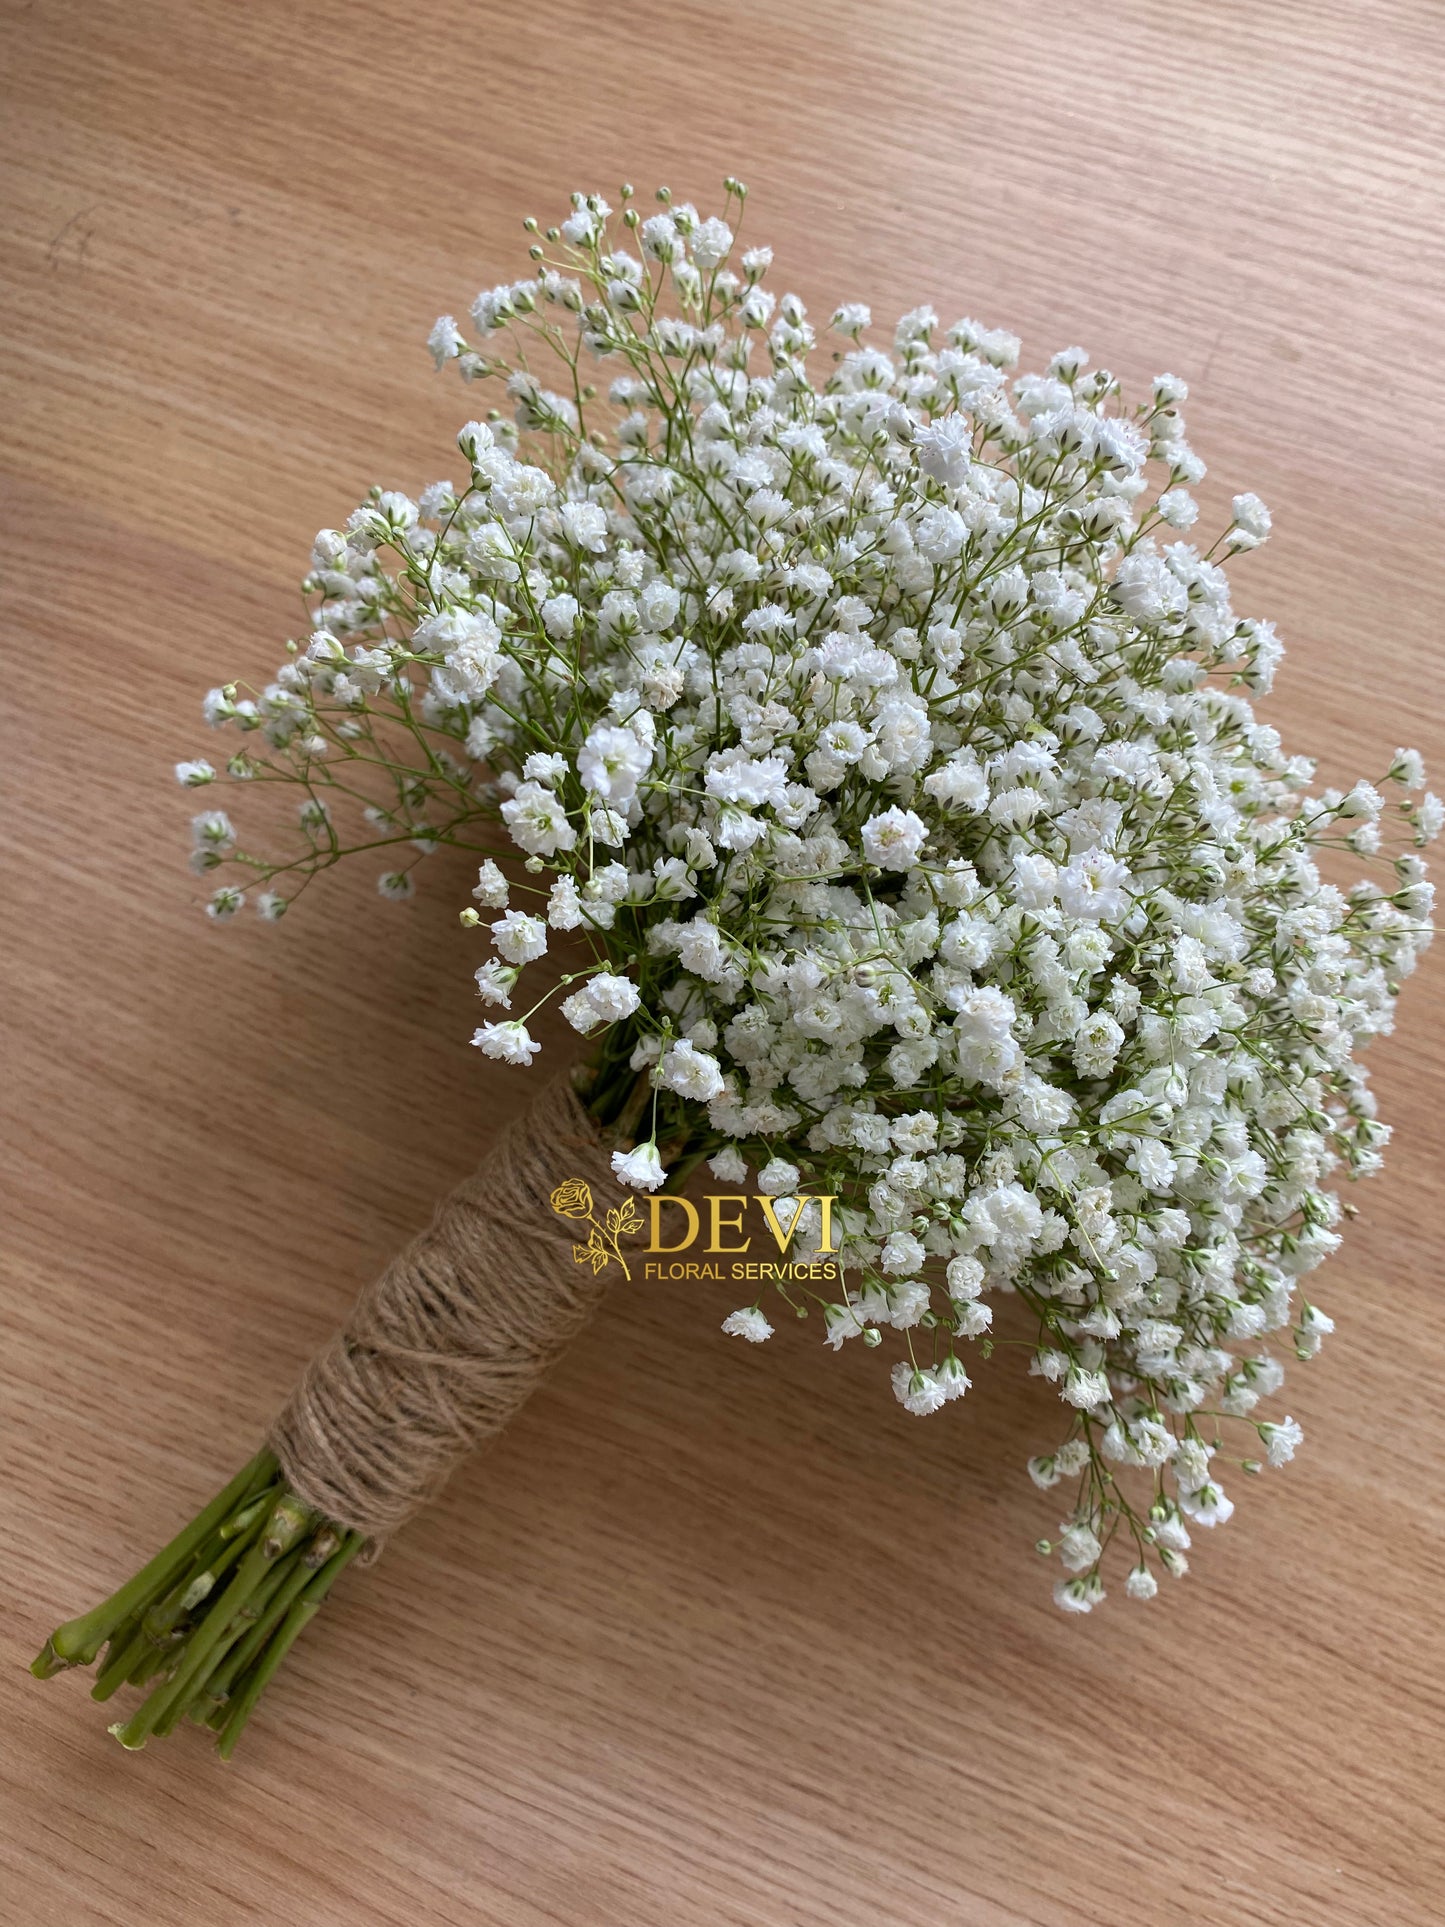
[(455, 1335)]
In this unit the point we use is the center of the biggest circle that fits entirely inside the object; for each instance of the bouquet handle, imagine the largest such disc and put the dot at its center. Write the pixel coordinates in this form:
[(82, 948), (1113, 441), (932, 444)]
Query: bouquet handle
[(438, 1354), (447, 1345)]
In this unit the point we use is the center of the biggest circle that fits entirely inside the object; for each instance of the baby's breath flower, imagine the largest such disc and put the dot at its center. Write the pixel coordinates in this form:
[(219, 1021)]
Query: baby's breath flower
[(225, 904), (877, 729), (213, 830), (509, 1043), (1252, 522), (1141, 1583), (491, 887), (749, 1324), (1280, 1440), (494, 984), (642, 1168)]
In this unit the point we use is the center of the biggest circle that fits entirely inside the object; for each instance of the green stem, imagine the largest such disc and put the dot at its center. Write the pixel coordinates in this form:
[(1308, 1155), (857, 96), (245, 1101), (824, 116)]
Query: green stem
[(290, 1574), (301, 1613), (288, 1523), (212, 1616), (264, 1612), (77, 1642), (157, 1633)]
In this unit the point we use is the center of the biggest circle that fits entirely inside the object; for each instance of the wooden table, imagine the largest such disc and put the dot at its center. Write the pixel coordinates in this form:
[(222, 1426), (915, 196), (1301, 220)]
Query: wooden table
[(714, 1636)]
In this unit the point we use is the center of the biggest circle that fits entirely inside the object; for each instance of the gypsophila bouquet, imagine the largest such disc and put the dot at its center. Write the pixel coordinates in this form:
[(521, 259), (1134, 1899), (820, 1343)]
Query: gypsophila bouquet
[(876, 730)]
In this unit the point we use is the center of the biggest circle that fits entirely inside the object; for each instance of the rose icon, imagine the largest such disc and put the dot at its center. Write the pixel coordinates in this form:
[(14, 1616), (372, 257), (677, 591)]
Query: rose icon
[(572, 1199)]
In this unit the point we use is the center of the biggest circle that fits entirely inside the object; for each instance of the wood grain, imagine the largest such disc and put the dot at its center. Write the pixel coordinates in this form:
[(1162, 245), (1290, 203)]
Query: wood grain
[(714, 1636)]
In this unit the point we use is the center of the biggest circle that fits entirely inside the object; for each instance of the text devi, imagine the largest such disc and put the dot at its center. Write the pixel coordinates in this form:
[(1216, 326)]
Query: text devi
[(727, 1234)]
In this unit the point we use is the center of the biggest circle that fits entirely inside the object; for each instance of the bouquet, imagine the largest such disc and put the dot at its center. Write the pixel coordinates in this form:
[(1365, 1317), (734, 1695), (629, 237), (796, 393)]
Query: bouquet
[(872, 733)]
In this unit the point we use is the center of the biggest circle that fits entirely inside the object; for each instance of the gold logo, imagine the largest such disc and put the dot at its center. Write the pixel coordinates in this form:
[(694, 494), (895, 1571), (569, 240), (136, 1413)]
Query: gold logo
[(573, 1199)]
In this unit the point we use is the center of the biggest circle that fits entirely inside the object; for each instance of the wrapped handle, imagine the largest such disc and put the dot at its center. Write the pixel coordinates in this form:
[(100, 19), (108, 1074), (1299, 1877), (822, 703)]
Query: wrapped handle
[(456, 1334)]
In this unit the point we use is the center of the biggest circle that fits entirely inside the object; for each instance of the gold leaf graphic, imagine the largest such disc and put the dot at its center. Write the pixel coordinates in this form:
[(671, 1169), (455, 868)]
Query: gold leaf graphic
[(629, 1218)]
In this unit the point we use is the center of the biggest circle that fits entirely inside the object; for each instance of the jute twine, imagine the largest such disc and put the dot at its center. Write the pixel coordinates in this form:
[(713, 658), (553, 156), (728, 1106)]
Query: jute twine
[(454, 1336)]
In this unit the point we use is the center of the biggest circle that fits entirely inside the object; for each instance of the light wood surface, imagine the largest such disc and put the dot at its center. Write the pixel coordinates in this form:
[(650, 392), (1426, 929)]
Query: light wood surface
[(715, 1636)]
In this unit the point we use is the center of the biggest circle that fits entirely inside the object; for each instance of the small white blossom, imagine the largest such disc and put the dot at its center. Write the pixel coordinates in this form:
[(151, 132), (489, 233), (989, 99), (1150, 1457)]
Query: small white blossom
[(213, 830), (584, 525), (749, 1324), (1252, 521), (894, 838), (509, 1043), (559, 616), (778, 1178), (1206, 1504), (1178, 508), (225, 904), (491, 887), (1079, 1595), (1407, 769), (690, 1072), (537, 821), (852, 318), (494, 983), (1141, 1583), (603, 999), (611, 761), (445, 340), (902, 1252), (520, 938), (918, 1391), (1085, 1389), (1079, 1546), (945, 449), (642, 1168), (1280, 1440), (711, 242), (564, 905)]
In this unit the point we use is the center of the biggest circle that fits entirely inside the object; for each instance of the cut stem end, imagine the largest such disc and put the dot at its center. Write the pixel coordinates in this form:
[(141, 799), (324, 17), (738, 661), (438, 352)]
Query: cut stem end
[(207, 1623)]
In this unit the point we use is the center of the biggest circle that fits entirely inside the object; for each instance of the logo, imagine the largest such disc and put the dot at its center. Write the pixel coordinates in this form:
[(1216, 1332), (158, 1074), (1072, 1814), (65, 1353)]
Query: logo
[(573, 1199), (727, 1235)]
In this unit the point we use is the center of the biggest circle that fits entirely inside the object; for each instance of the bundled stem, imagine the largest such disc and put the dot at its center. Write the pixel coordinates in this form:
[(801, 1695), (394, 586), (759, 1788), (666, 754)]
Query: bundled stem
[(438, 1354), (209, 1620)]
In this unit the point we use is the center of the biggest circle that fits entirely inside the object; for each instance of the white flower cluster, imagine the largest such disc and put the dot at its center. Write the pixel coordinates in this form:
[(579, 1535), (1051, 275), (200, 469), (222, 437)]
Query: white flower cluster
[(885, 738)]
